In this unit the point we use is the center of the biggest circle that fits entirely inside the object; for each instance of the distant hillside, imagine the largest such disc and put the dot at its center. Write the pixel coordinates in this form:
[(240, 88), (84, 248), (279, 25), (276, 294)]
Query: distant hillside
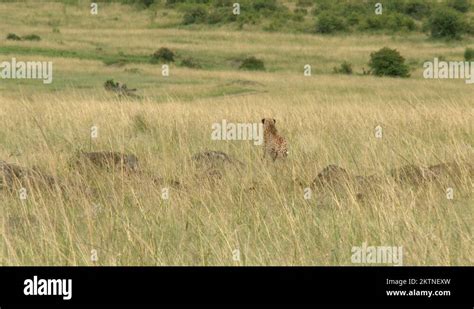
[(319, 16)]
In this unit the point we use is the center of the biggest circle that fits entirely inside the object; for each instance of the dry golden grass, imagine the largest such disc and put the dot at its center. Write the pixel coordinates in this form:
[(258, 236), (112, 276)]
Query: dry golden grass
[(205, 220)]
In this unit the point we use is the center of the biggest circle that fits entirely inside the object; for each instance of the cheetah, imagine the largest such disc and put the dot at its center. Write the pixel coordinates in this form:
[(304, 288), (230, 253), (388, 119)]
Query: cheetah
[(274, 145), (109, 159), (11, 174)]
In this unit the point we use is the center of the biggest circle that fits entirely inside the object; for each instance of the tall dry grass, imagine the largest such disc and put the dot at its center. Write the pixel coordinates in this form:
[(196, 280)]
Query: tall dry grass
[(258, 209)]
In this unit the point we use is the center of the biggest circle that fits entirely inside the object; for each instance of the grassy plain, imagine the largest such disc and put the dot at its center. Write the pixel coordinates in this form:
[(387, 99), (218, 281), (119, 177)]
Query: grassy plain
[(258, 209)]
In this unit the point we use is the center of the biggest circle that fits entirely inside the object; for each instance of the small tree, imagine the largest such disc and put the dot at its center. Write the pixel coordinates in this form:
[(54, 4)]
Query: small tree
[(13, 37), (388, 62), (162, 55), (459, 5), (329, 23), (446, 23), (195, 15), (469, 54)]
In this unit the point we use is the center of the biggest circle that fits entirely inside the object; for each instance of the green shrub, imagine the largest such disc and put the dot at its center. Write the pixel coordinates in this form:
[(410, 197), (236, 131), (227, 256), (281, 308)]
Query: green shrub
[(329, 23), (13, 37), (470, 26), (220, 15), (459, 5), (388, 62), (396, 22), (162, 55), (301, 11), (31, 37), (195, 15), (469, 54), (344, 68), (253, 64), (417, 8), (353, 19), (110, 84), (142, 3), (304, 3), (190, 63), (446, 23), (390, 21), (270, 5), (215, 17), (372, 22)]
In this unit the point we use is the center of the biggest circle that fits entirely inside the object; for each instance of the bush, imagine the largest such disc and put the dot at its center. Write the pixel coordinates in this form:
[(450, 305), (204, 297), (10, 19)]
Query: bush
[(398, 22), (469, 54), (253, 64), (304, 3), (344, 68), (353, 19), (13, 37), (220, 15), (470, 26), (190, 63), (215, 17), (459, 5), (417, 8), (329, 23), (32, 37), (373, 22), (390, 21), (388, 62), (162, 55), (143, 3), (270, 5), (195, 15), (446, 23)]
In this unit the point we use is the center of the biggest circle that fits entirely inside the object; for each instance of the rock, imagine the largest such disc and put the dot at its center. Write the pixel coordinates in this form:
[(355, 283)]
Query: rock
[(213, 158), (331, 175)]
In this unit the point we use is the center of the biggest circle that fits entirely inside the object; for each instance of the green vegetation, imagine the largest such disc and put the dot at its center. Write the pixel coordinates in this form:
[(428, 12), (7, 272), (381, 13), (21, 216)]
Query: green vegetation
[(252, 64), (469, 54), (329, 23), (163, 55), (446, 23), (31, 37), (460, 5), (388, 62), (344, 68), (13, 37), (190, 62)]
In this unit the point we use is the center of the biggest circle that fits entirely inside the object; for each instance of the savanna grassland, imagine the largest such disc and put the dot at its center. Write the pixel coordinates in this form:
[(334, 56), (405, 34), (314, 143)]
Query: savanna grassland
[(257, 208)]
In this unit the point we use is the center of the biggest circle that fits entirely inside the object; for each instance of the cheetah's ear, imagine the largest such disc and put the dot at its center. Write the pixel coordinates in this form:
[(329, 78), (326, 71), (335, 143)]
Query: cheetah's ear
[(274, 121), (263, 120)]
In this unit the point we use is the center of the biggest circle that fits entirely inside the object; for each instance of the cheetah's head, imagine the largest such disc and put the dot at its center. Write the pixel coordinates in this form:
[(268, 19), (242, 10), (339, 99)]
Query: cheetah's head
[(268, 121), (269, 125)]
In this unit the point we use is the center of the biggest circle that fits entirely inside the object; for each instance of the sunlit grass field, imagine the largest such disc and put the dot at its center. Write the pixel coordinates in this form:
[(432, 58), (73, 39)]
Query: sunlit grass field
[(101, 217)]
